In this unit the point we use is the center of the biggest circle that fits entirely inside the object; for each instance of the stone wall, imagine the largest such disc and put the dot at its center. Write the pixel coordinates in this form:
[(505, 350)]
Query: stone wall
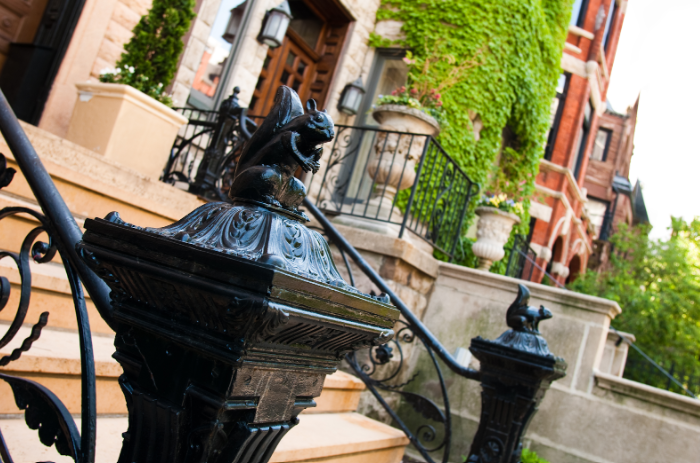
[(102, 31), (591, 415)]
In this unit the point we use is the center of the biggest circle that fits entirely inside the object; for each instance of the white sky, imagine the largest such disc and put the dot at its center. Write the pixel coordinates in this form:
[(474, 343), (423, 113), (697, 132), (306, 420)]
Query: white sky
[(658, 57)]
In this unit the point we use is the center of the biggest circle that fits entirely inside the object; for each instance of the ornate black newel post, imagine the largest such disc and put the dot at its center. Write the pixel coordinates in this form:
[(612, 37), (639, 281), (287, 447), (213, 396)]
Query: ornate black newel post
[(229, 320), (516, 371)]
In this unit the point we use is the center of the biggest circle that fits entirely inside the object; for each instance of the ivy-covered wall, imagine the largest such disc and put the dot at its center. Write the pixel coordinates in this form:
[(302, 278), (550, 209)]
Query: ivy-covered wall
[(519, 44)]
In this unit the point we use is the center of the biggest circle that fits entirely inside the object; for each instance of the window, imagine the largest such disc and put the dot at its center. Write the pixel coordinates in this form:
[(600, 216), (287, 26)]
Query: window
[(389, 72), (578, 12), (557, 109), (305, 22), (208, 80), (601, 145), (608, 24), (582, 140), (597, 210)]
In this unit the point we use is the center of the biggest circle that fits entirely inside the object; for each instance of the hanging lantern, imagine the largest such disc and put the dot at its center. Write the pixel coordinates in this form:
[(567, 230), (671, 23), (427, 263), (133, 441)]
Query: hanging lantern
[(234, 23), (275, 25), (351, 97)]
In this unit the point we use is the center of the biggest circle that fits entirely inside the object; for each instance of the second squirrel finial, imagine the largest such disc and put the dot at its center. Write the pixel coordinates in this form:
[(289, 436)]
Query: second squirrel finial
[(524, 318)]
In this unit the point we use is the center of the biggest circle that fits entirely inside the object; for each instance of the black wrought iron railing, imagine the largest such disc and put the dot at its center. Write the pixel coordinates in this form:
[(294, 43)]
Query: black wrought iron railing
[(640, 367), (57, 232), (424, 437), (521, 259), (406, 181), (204, 155)]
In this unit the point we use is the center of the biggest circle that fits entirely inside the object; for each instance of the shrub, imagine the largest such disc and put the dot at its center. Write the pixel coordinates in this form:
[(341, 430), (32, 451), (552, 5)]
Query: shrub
[(151, 56)]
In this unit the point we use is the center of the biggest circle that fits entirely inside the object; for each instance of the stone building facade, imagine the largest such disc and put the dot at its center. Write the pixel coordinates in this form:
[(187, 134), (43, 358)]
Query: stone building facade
[(611, 198), (564, 227), (325, 49)]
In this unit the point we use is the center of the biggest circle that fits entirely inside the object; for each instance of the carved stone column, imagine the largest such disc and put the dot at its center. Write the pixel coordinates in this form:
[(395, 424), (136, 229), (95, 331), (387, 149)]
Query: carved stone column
[(516, 371)]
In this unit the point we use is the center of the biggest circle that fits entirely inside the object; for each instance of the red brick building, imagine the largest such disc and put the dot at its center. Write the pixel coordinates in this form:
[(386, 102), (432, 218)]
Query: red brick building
[(565, 227), (611, 198)]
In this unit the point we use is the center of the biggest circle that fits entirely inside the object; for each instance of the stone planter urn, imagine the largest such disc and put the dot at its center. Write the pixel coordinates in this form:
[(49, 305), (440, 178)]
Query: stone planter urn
[(124, 125), (492, 232), (393, 166)]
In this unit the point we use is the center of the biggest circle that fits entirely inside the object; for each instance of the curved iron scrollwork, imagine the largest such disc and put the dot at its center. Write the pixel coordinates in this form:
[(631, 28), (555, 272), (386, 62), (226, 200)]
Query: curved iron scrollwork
[(206, 151), (43, 410), (381, 371)]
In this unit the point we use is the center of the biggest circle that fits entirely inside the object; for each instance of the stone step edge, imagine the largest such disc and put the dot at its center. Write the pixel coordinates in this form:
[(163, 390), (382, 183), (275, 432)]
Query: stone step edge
[(71, 366), (317, 437)]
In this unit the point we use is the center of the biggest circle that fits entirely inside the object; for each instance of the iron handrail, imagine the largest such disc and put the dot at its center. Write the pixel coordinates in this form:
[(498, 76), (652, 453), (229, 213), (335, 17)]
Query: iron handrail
[(650, 360), (48, 413), (52, 205), (419, 328)]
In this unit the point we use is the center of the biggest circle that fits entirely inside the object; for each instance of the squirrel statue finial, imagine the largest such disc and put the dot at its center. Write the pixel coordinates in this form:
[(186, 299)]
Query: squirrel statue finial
[(524, 318), (289, 138)]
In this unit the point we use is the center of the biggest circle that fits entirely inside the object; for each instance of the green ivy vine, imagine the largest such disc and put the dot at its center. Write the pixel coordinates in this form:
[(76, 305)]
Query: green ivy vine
[(521, 44)]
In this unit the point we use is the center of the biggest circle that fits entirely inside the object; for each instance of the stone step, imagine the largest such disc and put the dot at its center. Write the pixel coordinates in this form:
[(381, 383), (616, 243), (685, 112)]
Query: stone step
[(321, 437), (54, 361)]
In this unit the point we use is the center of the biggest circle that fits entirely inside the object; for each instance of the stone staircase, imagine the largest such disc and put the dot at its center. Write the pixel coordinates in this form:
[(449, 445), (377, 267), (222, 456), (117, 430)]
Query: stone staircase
[(93, 187), (330, 432)]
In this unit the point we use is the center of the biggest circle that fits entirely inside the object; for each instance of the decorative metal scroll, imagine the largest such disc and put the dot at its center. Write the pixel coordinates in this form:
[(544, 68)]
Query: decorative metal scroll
[(381, 368), (44, 411)]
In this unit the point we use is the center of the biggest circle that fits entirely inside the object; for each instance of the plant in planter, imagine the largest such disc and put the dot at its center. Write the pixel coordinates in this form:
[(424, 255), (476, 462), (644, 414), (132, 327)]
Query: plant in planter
[(150, 58), (126, 116), (497, 216), (413, 109)]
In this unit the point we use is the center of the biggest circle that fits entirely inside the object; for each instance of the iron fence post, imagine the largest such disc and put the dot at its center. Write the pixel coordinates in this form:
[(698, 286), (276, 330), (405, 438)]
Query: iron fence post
[(209, 170), (516, 371)]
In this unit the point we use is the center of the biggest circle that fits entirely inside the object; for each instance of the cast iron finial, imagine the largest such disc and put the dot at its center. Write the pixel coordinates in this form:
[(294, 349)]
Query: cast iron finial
[(524, 322), (289, 138), (522, 317)]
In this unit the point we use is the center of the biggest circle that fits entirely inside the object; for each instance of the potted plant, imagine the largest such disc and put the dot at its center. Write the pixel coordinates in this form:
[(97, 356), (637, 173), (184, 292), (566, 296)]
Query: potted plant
[(416, 109), (497, 216), (126, 116)]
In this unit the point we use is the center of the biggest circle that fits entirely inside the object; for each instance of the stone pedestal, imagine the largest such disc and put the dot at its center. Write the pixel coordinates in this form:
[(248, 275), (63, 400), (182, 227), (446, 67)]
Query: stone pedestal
[(516, 371), (220, 352)]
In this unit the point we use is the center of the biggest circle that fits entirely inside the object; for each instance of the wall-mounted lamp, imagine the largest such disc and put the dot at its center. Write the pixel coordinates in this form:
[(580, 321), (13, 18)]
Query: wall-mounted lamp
[(351, 97), (234, 23), (275, 25)]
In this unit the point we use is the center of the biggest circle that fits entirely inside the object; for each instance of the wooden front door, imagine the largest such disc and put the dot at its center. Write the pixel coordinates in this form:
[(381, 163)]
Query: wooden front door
[(288, 64), (307, 58)]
